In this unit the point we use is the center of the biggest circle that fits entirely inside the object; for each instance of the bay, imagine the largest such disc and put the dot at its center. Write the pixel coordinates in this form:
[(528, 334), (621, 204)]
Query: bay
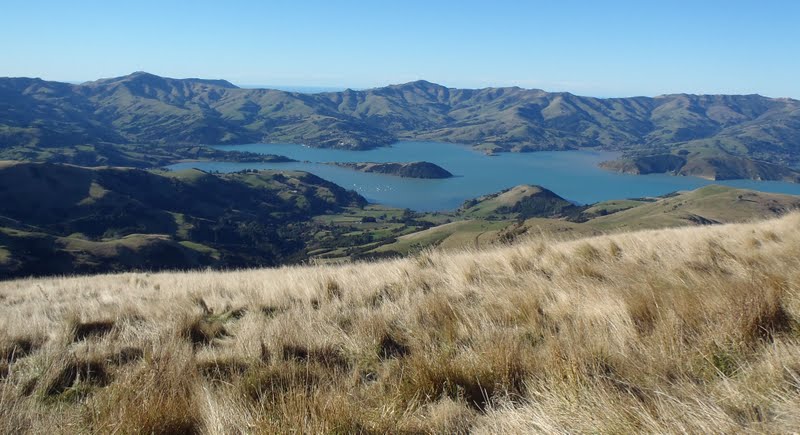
[(572, 174)]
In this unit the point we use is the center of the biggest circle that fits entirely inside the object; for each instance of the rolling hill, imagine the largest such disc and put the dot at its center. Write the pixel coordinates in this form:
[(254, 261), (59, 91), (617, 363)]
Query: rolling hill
[(717, 136), (519, 202), (526, 211), (63, 219)]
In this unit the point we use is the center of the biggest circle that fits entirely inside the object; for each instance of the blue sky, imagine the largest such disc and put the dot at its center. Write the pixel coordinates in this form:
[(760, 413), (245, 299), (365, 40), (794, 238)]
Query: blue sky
[(601, 48)]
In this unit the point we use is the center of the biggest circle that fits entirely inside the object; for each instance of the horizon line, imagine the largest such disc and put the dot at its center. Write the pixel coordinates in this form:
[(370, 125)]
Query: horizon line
[(334, 88)]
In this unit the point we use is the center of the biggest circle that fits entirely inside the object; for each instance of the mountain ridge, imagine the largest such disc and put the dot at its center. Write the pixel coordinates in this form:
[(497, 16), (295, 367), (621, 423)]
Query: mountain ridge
[(143, 108)]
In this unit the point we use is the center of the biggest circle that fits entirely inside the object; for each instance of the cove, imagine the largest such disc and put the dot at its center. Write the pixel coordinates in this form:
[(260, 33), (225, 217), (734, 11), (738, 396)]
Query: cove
[(572, 174)]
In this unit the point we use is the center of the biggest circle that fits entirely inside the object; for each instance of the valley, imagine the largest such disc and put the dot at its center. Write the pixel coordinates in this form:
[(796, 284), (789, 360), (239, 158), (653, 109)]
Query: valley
[(64, 219)]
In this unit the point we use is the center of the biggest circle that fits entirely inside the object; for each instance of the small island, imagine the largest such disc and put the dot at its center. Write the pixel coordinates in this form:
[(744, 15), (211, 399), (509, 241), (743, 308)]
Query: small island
[(406, 170)]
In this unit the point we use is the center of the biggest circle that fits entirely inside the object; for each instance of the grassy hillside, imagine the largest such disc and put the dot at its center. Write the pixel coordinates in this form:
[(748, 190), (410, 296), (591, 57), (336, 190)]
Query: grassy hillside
[(69, 219), (524, 210), (706, 205), (519, 202), (693, 330), (717, 136), (63, 219)]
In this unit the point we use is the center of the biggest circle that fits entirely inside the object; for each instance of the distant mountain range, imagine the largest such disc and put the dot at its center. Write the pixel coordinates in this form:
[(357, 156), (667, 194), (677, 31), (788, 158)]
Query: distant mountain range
[(714, 136)]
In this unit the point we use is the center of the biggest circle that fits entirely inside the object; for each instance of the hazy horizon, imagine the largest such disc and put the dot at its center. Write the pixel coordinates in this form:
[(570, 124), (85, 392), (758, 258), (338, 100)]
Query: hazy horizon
[(312, 89)]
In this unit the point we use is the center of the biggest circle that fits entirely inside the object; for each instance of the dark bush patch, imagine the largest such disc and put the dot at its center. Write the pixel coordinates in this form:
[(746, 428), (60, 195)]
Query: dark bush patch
[(271, 311), (294, 352), (203, 331), (222, 369), (29, 386), (390, 347), (238, 313), (82, 331), (332, 289), (16, 349), (327, 356), (330, 357), (767, 319), (88, 372), (174, 426)]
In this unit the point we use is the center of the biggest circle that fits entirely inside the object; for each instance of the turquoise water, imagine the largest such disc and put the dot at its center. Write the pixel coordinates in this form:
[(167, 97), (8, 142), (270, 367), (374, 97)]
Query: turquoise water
[(572, 174)]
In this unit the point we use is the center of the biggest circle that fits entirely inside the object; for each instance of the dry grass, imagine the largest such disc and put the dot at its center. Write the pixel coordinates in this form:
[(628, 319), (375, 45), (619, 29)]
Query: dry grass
[(686, 330)]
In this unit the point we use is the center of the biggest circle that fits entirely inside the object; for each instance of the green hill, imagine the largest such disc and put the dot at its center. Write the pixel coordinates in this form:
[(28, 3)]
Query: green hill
[(520, 202), (716, 136), (524, 211), (706, 205), (67, 219)]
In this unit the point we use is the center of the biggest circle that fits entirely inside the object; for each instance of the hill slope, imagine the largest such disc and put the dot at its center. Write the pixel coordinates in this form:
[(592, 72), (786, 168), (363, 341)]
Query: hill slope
[(684, 330), (703, 206), (68, 219), (709, 134), (519, 202), (514, 213)]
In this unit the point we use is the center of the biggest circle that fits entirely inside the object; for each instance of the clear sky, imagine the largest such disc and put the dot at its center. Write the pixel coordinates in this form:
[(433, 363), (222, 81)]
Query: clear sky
[(600, 48)]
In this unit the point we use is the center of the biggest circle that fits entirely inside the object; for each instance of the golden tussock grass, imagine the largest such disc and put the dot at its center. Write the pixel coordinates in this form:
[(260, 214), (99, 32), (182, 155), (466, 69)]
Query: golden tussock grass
[(681, 330)]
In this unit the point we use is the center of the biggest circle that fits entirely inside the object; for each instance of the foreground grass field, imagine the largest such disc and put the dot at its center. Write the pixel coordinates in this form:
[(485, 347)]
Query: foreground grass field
[(680, 330)]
